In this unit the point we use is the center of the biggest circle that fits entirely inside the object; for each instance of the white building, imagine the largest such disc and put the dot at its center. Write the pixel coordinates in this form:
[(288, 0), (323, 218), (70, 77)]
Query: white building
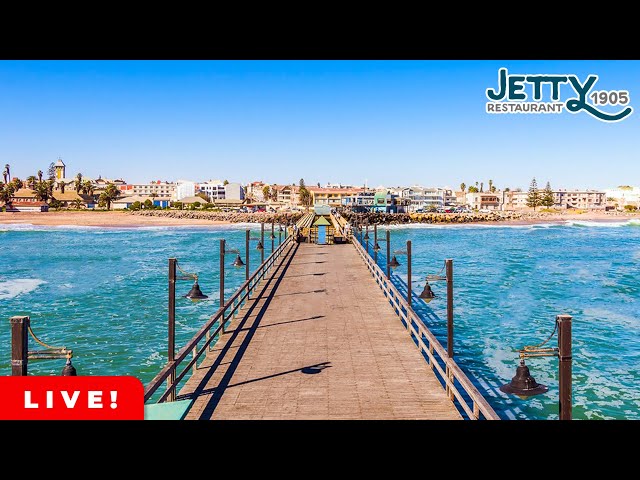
[(214, 189), (423, 198), (233, 191), (156, 189), (624, 195), (585, 199), (184, 188)]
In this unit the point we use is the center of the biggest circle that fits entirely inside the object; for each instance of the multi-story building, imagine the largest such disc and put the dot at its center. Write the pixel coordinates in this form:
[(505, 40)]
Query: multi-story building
[(586, 199), (214, 189), (233, 191), (485, 200), (151, 189), (184, 189), (255, 190), (331, 196), (422, 198), (360, 202)]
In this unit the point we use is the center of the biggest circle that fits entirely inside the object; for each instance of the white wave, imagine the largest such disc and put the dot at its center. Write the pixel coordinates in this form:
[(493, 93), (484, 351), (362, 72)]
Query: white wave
[(12, 288), (604, 223), (609, 316), (530, 226)]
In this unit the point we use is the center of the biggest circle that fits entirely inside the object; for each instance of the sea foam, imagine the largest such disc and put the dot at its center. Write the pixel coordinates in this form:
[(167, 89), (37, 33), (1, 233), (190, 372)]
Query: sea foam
[(12, 288)]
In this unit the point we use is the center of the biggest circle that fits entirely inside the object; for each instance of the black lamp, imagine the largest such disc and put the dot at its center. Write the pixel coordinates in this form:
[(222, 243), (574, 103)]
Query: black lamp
[(238, 262), (195, 293), (69, 370), (259, 246), (394, 262), (427, 294), (376, 247), (523, 384)]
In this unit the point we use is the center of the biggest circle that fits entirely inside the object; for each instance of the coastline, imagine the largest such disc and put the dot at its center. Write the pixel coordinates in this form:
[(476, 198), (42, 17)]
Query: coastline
[(121, 219)]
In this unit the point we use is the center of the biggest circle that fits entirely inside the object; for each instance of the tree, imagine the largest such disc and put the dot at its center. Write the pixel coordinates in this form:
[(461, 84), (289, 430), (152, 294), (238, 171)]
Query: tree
[(266, 192), (482, 186), (301, 183), (77, 204), (135, 206), (6, 192), (42, 191), (507, 189), (473, 189), (533, 199), (149, 204), (17, 183), (547, 199), (110, 194), (5, 174), (78, 182), (51, 171), (305, 196), (7, 168), (177, 205), (226, 182), (87, 187), (463, 187), (493, 189), (274, 194), (491, 185), (318, 184), (39, 175), (31, 181)]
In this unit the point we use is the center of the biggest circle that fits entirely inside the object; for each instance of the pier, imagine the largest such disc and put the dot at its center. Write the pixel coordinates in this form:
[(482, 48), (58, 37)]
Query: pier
[(316, 332)]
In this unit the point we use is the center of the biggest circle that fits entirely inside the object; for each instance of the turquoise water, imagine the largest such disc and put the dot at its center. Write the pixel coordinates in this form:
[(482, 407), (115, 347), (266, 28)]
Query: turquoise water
[(103, 291)]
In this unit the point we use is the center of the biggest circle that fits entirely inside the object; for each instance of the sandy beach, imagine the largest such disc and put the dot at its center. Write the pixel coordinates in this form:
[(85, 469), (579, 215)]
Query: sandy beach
[(126, 219), (100, 219)]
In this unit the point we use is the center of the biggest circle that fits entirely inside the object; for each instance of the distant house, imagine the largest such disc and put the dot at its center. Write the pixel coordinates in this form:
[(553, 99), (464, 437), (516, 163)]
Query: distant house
[(27, 206), (23, 195), (127, 201), (69, 198)]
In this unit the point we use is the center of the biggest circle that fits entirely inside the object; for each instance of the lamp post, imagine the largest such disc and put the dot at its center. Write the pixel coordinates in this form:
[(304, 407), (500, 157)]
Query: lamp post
[(427, 295), (524, 385), (273, 237), (20, 354), (261, 244)]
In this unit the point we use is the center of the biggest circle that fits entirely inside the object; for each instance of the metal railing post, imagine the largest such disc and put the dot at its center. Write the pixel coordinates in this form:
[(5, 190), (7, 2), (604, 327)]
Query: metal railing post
[(222, 247), (449, 267), (408, 275), (375, 242), (388, 254), (262, 242)]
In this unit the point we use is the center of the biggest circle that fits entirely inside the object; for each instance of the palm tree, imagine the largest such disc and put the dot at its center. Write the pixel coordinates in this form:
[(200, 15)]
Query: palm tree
[(18, 183), (40, 175), (463, 187), (482, 186), (87, 187), (7, 169), (42, 191), (266, 192), (31, 181), (78, 182), (490, 185), (77, 204), (110, 194), (5, 174), (6, 192)]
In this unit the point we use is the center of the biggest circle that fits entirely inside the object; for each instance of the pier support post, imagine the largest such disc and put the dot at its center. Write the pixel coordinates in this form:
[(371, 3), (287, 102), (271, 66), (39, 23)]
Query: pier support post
[(19, 345), (171, 354), (273, 238), (375, 242), (408, 275), (449, 267), (222, 247), (565, 360)]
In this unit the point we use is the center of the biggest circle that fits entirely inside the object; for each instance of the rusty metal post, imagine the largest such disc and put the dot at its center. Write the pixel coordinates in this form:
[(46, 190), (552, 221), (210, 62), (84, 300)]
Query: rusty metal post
[(449, 267), (171, 354), (19, 345), (375, 242), (367, 235), (409, 273), (388, 254), (273, 238), (262, 242), (280, 234), (222, 247), (246, 263), (564, 367)]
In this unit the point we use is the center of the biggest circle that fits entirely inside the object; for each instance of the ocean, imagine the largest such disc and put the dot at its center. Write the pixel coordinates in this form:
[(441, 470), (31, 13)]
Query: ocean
[(103, 293)]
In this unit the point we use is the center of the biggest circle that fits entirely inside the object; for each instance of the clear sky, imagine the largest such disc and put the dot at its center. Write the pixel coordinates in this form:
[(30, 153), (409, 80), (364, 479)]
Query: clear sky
[(386, 122)]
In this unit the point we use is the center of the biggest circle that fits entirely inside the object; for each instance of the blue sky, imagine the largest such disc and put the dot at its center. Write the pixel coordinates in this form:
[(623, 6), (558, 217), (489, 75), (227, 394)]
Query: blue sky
[(386, 122)]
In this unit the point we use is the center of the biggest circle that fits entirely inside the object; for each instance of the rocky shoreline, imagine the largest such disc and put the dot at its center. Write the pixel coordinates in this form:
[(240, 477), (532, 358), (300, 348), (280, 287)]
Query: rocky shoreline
[(384, 218)]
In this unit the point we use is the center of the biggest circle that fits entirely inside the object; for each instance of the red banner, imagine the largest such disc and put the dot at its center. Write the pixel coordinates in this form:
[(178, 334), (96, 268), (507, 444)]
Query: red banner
[(71, 398)]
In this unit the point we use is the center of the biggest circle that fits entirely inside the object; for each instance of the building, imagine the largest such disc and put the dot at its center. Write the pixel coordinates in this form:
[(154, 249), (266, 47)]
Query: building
[(332, 197), (485, 200), (151, 189), (585, 199), (70, 198), (184, 189), (623, 195), (233, 191), (128, 200), (421, 198), (60, 168), (360, 202), (214, 189), (27, 206), (254, 190)]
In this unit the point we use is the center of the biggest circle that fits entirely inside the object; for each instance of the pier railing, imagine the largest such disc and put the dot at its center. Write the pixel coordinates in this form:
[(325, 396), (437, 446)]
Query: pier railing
[(446, 369), (201, 341)]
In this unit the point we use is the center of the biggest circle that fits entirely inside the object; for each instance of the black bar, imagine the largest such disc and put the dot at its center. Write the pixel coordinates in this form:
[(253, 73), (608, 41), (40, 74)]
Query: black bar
[(19, 345), (246, 246), (564, 367), (449, 264), (375, 242), (262, 242), (273, 237)]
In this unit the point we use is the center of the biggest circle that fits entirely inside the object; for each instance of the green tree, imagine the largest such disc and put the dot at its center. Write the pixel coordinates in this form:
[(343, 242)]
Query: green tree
[(51, 171), (195, 204), (78, 182), (77, 204), (40, 175), (57, 204), (110, 194), (226, 182), (482, 186), (148, 204), (31, 181), (493, 189), (630, 208), (546, 199), (17, 183), (87, 187), (305, 196), (533, 199), (274, 194), (135, 206), (473, 189), (301, 183), (490, 185), (42, 191), (177, 205), (6, 192), (463, 187), (266, 192), (507, 189)]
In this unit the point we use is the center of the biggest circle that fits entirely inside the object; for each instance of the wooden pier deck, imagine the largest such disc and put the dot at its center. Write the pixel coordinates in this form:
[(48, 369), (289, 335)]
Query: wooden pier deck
[(317, 340)]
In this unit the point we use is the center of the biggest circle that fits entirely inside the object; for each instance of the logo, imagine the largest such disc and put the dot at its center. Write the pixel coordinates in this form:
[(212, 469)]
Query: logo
[(511, 96)]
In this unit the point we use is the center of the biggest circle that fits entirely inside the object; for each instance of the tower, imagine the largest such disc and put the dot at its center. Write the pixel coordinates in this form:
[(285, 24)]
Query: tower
[(60, 169)]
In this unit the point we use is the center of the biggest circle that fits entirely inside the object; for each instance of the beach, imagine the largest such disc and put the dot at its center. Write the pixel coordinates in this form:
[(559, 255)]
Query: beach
[(124, 219)]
